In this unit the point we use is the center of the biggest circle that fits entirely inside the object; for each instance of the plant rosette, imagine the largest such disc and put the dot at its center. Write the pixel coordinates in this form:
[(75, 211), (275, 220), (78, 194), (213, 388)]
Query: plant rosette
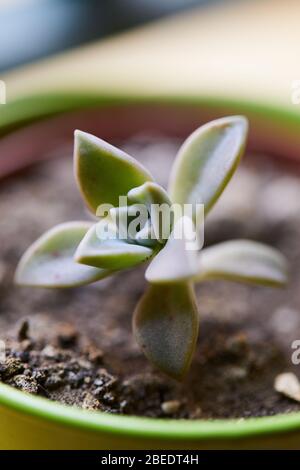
[(166, 319)]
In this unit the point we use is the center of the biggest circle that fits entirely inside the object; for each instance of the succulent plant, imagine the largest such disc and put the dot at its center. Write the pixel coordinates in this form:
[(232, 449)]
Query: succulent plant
[(166, 319)]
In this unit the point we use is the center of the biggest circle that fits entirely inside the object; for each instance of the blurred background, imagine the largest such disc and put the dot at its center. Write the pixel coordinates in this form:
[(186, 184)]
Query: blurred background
[(31, 29), (62, 55), (221, 48)]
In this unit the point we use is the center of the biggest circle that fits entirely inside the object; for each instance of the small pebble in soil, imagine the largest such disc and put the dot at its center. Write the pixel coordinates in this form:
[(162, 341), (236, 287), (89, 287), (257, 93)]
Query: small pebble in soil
[(288, 384), (49, 352), (235, 373), (170, 407)]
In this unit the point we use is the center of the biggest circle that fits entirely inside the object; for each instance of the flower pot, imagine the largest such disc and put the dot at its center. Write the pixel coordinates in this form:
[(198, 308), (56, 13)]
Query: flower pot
[(33, 129)]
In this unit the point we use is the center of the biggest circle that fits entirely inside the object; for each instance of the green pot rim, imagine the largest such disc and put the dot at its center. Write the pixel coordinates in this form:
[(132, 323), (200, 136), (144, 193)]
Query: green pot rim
[(33, 108), (30, 108)]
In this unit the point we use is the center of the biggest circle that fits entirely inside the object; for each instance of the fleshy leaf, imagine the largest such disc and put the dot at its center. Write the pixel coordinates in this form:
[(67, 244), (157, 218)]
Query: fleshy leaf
[(243, 260), (166, 323), (207, 160), (109, 252), (178, 260), (149, 193), (153, 196), (49, 261), (104, 172)]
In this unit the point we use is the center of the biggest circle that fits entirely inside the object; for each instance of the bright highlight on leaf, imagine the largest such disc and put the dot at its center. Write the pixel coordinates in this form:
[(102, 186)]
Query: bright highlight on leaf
[(140, 228), (166, 325), (243, 260), (49, 261)]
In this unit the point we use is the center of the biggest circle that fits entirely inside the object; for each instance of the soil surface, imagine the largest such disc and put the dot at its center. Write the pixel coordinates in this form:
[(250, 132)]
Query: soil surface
[(76, 345)]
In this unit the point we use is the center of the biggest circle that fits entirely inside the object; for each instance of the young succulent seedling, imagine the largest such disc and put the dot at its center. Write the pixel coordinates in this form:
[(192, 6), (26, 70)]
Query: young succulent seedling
[(166, 319)]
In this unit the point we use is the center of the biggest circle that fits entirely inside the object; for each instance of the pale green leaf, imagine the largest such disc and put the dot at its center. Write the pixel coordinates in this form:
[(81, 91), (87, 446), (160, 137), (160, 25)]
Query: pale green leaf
[(243, 260), (109, 251), (49, 261), (166, 323), (158, 203), (104, 172), (207, 160), (178, 260), (149, 193)]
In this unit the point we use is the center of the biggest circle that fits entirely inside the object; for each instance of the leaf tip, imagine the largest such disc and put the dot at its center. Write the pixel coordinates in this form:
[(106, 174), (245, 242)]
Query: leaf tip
[(243, 124), (79, 138), (77, 133)]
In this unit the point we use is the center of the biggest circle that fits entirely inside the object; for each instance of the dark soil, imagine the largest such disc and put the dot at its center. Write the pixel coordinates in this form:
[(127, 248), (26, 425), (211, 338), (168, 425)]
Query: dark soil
[(76, 345)]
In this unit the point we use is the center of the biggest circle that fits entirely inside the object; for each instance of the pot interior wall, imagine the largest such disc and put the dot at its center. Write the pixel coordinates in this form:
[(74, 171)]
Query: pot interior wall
[(269, 133)]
